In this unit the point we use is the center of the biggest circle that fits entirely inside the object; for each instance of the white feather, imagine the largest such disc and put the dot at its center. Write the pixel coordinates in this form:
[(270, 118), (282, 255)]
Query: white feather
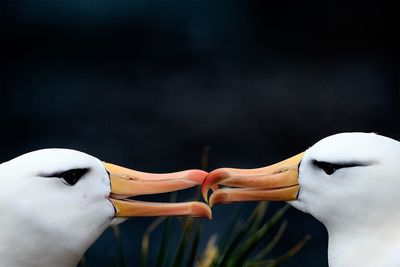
[(358, 205), (45, 222)]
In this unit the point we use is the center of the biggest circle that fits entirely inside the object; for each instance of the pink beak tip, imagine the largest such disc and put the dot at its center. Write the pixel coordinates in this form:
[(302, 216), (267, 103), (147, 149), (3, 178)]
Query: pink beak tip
[(211, 181), (201, 210)]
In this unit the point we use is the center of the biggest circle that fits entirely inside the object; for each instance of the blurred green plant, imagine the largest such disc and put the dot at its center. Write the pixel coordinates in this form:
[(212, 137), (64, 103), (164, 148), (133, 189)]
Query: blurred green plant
[(239, 245)]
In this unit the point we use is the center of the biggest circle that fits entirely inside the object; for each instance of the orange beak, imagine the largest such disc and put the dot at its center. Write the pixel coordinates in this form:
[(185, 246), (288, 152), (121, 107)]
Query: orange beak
[(278, 182), (126, 183)]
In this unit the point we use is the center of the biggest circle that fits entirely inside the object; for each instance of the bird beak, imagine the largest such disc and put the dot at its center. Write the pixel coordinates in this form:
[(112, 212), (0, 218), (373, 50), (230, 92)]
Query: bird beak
[(126, 183), (277, 182)]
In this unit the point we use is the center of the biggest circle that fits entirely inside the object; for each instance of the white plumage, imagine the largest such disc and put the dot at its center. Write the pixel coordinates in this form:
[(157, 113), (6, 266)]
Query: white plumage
[(54, 203), (359, 205), (45, 222), (350, 182)]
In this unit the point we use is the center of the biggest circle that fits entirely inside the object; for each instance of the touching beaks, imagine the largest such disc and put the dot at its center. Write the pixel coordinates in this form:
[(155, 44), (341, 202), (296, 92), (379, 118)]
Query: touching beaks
[(277, 182), (126, 183)]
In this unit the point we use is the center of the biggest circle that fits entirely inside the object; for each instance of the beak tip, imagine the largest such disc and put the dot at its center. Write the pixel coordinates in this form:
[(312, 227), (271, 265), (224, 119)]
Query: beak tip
[(199, 209), (204, 193), (220, 196), (209, 215), (211, 182), (211, 201)]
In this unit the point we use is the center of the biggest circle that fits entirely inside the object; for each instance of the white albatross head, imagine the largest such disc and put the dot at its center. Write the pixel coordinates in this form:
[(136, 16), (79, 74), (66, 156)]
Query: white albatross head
[(56, 202), (349, 181)]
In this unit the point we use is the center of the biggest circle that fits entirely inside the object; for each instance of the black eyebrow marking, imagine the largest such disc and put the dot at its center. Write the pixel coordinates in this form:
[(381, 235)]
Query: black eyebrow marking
[(80, 171), (340, 165), (330, 168)]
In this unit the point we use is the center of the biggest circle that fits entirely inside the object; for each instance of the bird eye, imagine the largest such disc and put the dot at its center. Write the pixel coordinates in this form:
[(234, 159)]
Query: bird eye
[(328, 168), (71, 177)]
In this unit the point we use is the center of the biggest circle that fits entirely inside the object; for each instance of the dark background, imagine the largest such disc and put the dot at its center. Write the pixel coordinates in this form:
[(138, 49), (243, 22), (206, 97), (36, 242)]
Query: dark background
[(149, 84)]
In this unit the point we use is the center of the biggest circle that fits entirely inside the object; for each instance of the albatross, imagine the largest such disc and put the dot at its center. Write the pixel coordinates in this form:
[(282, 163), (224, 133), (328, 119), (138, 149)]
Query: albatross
[(56, 202), (350, 182)]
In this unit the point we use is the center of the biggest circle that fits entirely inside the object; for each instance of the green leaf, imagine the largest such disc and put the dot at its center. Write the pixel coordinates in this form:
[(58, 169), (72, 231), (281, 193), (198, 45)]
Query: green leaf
[(249, 245), (164, 245), (195, 244), (146, 240), (264, 252), (121, 257), (296, 248), (259, 211), (254, 217), (183, 243), (223, 241), (273, 263)]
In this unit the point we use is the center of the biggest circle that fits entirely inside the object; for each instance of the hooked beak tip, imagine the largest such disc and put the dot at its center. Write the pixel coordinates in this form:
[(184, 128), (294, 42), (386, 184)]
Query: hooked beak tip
[(204, 193), (211, 182), (220, 196), (204, 211)]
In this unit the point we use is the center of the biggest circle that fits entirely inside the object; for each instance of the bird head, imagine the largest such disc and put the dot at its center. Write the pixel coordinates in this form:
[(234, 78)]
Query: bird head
[(68, 198), (342, 178)]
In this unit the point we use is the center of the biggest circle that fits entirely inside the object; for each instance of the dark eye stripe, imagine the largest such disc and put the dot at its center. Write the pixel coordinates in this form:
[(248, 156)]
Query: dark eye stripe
[(70, 177), (330, 168)]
